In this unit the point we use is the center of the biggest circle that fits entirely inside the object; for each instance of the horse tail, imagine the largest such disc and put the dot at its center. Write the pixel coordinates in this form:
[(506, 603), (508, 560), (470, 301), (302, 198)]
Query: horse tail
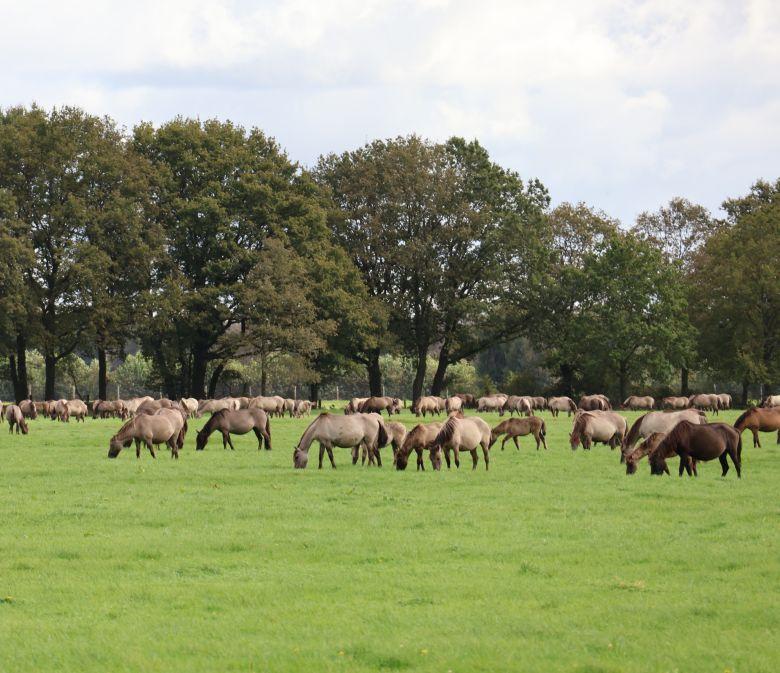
[(572, 404), (267, 432), (383, 437), (543, 429), (739, 423)]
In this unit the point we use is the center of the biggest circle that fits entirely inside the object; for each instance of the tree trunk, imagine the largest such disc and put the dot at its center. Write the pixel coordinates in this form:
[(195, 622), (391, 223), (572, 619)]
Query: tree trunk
[(102, 374), (684, 390), (419, 374), (215, 379), (374, 373), (50, 363), (314, 393), (18, 367), (623, 381), (437, 385), (199, 364), (567, 380), (745, 386), (263, 376)]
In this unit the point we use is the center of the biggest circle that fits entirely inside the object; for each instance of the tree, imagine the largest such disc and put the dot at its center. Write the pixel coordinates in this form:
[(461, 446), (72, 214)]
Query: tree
[(736, 291), (52, 164), (429, 225)]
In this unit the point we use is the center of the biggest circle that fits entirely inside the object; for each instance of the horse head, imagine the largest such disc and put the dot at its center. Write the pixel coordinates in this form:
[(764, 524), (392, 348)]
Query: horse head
[(300, 458)]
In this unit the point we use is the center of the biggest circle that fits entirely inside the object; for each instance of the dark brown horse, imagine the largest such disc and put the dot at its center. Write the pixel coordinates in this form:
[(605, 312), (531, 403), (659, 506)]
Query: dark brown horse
[(699, 442), (647, 448), (513, 428), (759, 420), (238, 422), (595, 403), (376, 405)]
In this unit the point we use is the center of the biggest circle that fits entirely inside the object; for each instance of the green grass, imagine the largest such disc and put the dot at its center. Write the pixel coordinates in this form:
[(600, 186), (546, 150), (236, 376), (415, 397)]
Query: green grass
[(233, 561)]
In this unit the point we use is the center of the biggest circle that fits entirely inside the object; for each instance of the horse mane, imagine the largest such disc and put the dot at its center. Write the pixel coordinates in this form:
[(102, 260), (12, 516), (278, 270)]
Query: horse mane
[(633, 433), (678, 433), (580, 421), (447, 430), (125, 426), (743, 416)]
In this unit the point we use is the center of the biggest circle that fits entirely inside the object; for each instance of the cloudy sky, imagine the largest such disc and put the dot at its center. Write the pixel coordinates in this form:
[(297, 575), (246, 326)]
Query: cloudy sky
[(619, 104)]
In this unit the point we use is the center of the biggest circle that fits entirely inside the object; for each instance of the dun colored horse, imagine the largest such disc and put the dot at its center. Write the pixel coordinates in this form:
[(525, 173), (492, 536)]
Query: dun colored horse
[(376, 405), (453, 404), (759, 420), (151, 430), (675, 402), (705, 402), (492, 403), (635, 402), (464, 434), (420, 438), (659, 421), (520, 404), (604, 427), (513, 428), (426, 405), (15, 418), (29, 410), (595, 403), (771, 401), (348, 432), (699, 442), (237, 422), (558, 404)]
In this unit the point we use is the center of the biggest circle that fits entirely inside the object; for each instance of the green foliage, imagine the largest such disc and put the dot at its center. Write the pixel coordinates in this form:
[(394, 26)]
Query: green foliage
[(134, 376)]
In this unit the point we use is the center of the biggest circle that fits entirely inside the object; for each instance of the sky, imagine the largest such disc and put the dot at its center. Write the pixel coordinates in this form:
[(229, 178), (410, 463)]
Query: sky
[(620, 104)]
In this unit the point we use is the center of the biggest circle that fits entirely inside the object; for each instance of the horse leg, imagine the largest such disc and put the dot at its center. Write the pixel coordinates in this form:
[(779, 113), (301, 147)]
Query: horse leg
[(724, 463), (693, 466), (330, 456), (420, 464), (682, 466), (485, 455), (474, 458), (355, 454), (224, 440), (456, 454), (230, 441), (517, 446), (259, 436), (150, 446), (378, 456), (757, 439), (137, 448), (504, 441), (447, 457), (322, 453), (737, 460)]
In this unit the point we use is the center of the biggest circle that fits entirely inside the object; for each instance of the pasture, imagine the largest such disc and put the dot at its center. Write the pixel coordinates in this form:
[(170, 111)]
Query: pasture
[(233, 561)]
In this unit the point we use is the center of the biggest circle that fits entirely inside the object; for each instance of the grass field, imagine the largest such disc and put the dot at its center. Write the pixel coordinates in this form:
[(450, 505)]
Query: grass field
[(233, 561)]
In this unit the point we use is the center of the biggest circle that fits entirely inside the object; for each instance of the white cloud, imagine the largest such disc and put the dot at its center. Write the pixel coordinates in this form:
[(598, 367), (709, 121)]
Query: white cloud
[(621, 104)]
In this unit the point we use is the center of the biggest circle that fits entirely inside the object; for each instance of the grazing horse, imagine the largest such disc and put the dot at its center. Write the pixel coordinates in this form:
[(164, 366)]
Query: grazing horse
[(179, 419), (520, 404), (492, 403), (539, 402), (353, 405), (107, 408), (648, 448), (190, 405), (699, 442), (419, 438), (771, 401), (396, 433), (237, 422), (15, 418), (635, 402), (675, 402), (376, 405), (659, 421), (464, 434), (558, 404), (426, 405), (29, 410), (759, 420), (77, 409), (468, 400), (705, 402), (302, 408), (133, 404), (724, 400), (347, 432), (151, 430), (605, 427), (596, 402), (453, 404), (513, 428)]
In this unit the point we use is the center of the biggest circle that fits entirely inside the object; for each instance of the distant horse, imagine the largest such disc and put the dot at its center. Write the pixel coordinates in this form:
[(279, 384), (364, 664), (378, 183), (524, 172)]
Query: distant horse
[(190, 405), (464, 434), (302, 408), (558, 404), (418, 439), (675, 402), (15, 418), (725, 400), (659, 421), (604, 427), (349, 432), (453, 404), (29, 410), (596, 402), (539, 402), (376, 405), (270, 405), (237, 422), (648, 448), (699, 442), (150, 429), (492, 403), (426, 405), (771, 401), (109, 408), (705, 402), (635, 402), (468, 400), (513, 428), (759, 420), (520, 404), (354, 404)]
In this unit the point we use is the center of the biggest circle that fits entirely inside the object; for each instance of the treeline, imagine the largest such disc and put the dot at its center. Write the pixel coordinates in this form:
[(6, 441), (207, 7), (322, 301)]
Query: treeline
[(206, 246)]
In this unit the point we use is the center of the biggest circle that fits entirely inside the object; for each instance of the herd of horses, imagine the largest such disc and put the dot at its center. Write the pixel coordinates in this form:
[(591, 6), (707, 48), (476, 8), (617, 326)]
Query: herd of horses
[(679, 429)]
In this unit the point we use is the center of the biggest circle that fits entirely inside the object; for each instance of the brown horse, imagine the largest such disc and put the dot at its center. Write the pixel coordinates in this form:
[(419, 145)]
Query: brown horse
[(659, 421), (648, 448), (146, 428), (179, 419), (759, 420), (520, 404), (595, 403), (771, 401), (376, 405), (635, 402), (699, 442), (238, 422), (396, 433), (419, 438), (453, 404), (426, 405), (606, 427), (468, 400), (15, 418), (29, 409), (513, 428), (705, 402), (673, 402)]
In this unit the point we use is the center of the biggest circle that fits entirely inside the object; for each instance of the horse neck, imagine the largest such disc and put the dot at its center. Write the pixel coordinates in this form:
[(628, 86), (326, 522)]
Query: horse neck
[(126, 430), (309, 434), (633, 433)]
